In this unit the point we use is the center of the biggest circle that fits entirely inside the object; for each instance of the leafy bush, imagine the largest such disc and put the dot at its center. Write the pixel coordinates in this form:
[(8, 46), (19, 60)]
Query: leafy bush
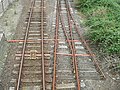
[(103, 18)]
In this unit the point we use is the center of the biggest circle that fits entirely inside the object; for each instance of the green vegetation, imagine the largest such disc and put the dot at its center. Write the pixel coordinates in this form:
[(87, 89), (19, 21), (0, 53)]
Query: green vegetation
[(103, 18)]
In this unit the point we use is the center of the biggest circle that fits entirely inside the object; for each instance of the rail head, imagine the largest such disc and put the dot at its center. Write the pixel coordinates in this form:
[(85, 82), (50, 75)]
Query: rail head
[(24, 46), (85, 43), (55, 46)]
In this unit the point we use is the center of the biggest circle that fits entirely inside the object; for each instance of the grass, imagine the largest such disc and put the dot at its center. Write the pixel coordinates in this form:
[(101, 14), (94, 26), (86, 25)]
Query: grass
[(103, 18)]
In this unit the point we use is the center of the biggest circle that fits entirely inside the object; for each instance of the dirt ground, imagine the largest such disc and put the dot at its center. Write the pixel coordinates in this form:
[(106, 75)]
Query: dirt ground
[(8, 24), (12, 23)]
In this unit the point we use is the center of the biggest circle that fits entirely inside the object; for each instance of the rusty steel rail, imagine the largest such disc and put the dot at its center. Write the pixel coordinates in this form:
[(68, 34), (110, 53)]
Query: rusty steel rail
[(72, 48), (74, 51), (73, 55), (25, 41), (24, 46), (55, 47), (42, 43), (84, 42)]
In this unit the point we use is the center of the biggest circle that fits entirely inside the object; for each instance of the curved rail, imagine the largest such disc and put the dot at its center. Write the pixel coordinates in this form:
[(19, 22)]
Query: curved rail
[(72, 47), (84, 42), (55, 46)]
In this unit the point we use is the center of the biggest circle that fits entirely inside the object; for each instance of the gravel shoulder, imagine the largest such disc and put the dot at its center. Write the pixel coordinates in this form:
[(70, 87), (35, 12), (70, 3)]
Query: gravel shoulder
[(12, 23)]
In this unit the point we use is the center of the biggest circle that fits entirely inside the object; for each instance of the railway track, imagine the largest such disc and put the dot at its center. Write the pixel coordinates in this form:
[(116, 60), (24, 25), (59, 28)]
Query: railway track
[(75, 61), (72, 59), (31, 68), (88, 50)]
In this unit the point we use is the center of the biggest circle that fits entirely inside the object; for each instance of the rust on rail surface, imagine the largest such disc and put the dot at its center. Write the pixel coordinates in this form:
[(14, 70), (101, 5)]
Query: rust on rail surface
[(72, 47), (42, 43), (24, 46), (85, 43), (33, 53), (55, 47)]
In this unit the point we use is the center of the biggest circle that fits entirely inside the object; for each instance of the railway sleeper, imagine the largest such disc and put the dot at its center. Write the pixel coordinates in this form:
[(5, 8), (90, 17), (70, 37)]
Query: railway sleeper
[(34, 32), (35, 23), (64, 71), (65, 77), (29, 58), (30, 65), (31, 86), (29, 68), (87, 70), (35, 19), (37, 35), (38, 25), (39, 12), (28, 55), (33, 42), (27, 72), (36, 28), (69, 86), (30, 71), (29, 76), (37, 9), (31, 81), (37, 42), (65, 81), (31, 47), (35, 62), (37, 38), (37, 6), (31, 29), (28, 86)]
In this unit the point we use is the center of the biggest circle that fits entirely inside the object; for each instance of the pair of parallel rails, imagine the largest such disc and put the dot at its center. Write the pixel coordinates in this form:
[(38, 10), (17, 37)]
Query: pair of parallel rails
[(70, 39), (34, 46), (30, 58)]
